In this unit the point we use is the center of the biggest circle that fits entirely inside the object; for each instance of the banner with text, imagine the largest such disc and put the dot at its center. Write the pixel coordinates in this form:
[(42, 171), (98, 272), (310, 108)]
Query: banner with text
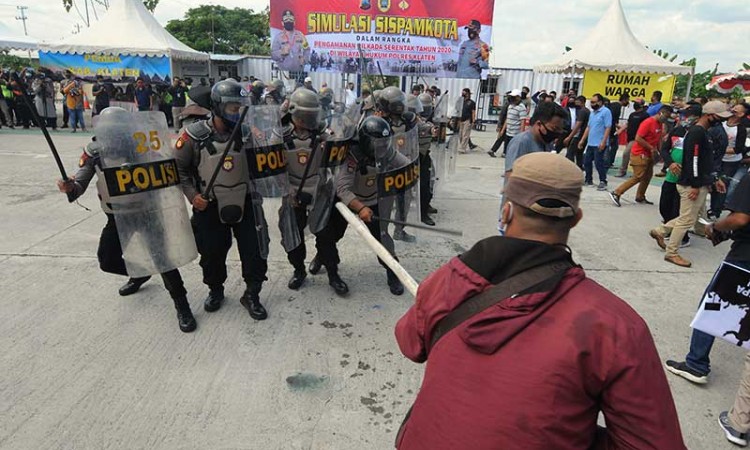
[(111, 67), (437, 38), (637, 85)]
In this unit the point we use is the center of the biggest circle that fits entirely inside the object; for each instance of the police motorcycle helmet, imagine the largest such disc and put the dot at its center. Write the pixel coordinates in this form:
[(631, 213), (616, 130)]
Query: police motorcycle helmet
[(374, 140), (227, 98), (427, 105), (305, 109), (391, 101)]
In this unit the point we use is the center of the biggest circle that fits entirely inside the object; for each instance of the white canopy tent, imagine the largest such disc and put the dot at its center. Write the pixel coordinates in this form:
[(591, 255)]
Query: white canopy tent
[(127, 28), (612, 46), (10, 41)]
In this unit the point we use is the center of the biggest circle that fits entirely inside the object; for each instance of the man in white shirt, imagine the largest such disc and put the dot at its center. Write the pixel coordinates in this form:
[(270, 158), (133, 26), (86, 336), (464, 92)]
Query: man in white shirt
[(351, 95)]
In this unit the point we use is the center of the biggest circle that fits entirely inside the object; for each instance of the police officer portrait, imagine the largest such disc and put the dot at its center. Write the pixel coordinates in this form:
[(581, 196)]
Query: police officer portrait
[(289, 47)]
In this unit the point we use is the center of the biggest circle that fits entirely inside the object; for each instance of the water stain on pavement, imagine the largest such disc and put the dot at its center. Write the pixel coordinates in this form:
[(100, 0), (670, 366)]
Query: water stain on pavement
[(305, 381)]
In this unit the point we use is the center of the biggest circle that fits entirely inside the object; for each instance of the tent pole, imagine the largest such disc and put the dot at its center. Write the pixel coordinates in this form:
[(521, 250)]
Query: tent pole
[(690, 84)]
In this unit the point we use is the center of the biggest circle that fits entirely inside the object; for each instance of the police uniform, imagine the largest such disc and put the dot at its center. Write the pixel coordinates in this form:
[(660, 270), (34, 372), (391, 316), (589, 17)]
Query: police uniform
[(110, 253), (290, 50), (359, 180), (472, 49), (299, 156), (425, 165), (198, 151)]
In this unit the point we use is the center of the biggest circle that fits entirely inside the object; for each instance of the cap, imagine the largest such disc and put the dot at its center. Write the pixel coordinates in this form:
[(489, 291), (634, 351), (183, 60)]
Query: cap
[(515, 93), (308, 80), (474, 25), (692, 110), (721, 109), (287, 16), (545, 183)]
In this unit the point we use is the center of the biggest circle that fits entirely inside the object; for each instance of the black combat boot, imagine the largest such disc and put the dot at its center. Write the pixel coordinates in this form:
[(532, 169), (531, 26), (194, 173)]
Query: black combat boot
[(314, 266), (394, 283), (335, 281), (298, 278), (251, 301), (184, 315), (214, 299), (132, 286)]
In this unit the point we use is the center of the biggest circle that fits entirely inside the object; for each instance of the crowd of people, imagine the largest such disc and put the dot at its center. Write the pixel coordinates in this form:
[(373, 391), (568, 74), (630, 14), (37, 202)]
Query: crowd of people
[(547, 319), (702, 150)]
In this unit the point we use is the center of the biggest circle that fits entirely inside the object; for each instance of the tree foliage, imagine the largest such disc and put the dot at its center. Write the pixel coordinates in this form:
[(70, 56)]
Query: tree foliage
[(218, 29), (150, 4)]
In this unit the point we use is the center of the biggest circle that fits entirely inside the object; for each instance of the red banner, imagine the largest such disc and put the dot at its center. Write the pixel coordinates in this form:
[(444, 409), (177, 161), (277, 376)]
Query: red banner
[(440, 38)]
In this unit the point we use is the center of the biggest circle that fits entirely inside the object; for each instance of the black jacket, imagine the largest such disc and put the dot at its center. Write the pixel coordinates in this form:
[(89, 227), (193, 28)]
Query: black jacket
[(697, 159)]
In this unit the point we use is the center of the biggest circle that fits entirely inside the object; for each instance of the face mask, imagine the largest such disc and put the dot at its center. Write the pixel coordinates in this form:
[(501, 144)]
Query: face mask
[(688, 122), (289, 26), (472, 35), (550, 136), (230, 120), (524, 94), (596, 107)]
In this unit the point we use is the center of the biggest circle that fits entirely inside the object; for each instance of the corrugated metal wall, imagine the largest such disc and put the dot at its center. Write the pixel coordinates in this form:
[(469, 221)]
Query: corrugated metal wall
[(257, 66)]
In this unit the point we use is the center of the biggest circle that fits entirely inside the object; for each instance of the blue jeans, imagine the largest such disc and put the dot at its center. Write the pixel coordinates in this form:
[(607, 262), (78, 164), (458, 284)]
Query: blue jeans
[(594, 156), (76, 117), (701, 343)]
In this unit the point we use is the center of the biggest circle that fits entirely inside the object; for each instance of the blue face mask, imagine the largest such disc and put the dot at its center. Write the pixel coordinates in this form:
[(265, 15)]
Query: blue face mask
[(232, 119)]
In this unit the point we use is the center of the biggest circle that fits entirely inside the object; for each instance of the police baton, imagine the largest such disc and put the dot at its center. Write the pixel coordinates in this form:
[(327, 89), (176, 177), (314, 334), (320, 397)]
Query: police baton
[(53, 149), (232, 141), (408, 281), (420, 226)]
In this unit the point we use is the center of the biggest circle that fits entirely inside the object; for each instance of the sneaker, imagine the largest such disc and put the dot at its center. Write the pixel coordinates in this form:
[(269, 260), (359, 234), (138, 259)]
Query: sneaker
[(685, 244), (644, 201), (659, 238), (680, 368), (660, 175), (731, 434), (615, 198), (678, 260), (588, 183), (492, 154), (621, 174), (602, 186)]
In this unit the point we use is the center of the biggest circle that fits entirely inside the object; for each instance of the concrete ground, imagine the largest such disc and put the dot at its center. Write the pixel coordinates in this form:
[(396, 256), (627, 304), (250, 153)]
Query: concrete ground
[(85, 368)]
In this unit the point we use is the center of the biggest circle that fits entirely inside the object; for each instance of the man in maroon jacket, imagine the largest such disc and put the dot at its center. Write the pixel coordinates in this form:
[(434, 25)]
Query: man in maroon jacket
[(534, 370)]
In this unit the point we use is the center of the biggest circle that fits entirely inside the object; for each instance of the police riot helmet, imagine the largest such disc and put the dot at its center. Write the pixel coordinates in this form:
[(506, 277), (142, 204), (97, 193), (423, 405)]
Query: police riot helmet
[(257, 88), (326, 97), (304, 106), (427, 105), (391, 101), (227, 97), (413, 104), (374, 138), (278, 87)]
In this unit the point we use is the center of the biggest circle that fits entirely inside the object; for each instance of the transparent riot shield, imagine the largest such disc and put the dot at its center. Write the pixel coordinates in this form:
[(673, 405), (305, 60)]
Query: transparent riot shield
[(335, 149), (144, 189), (398, 182), (270, 188)]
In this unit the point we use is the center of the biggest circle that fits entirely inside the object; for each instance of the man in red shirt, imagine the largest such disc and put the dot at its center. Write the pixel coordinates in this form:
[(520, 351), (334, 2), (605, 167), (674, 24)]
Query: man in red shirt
[(533, 368), (643, 155)]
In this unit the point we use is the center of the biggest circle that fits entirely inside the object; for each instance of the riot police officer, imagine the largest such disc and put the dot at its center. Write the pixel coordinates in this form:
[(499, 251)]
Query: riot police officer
[(257, 90), (391, 106), (426, 132), (229, 208), (305, 143), (109, 253), (357, 186)]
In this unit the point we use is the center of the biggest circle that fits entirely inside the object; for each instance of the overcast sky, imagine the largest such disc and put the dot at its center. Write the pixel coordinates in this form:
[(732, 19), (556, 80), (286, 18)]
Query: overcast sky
[(712, 30)]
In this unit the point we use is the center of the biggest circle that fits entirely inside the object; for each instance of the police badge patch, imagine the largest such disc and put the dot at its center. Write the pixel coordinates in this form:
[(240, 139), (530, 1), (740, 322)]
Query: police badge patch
[(180, 141), (370, 182), (302, 158), (228, 164), (84, 157)]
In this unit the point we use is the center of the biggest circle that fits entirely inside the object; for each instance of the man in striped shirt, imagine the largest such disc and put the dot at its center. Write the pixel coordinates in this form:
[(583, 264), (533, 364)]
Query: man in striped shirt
[(514, 120)]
